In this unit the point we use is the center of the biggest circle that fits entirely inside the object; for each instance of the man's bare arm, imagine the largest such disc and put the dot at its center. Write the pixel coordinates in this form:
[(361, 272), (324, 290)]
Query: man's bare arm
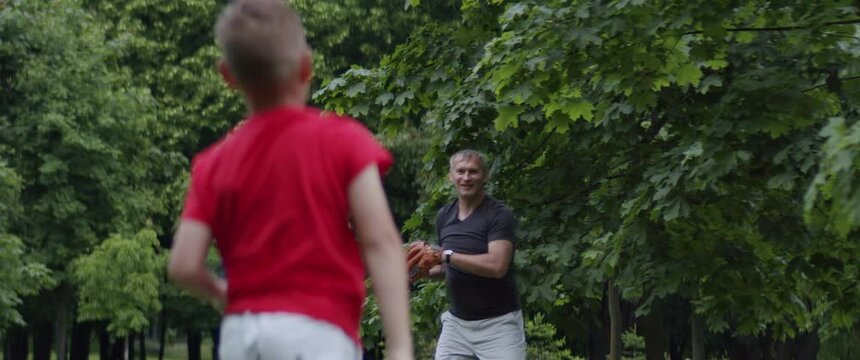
[(494, 264)]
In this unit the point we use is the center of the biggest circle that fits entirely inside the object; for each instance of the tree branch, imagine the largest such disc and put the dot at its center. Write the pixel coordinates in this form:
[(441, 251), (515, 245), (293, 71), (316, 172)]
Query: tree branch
[(856, 77), (783, 28), (534, 151)]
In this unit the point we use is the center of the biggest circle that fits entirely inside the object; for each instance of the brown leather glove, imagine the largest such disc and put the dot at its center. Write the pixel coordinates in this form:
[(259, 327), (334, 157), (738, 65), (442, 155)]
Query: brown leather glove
[(420, 258)]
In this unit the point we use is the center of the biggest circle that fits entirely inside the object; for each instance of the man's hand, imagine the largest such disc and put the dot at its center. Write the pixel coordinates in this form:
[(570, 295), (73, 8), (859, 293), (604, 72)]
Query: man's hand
[(420, 258)]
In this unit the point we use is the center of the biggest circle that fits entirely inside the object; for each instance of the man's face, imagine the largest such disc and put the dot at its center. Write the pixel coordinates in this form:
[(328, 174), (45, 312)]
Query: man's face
[(467, 176)]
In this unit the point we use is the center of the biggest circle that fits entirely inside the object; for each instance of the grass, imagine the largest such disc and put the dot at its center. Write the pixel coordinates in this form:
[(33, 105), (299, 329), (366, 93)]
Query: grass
[(172, 351)]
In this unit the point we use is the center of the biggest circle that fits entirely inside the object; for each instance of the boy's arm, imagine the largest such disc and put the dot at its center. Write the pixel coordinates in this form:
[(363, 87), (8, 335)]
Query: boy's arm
[(187, 266), (380, 245)]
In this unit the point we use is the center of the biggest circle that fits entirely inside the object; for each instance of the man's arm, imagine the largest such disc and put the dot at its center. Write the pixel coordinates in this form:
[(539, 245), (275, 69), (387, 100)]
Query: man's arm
[(494, 264), (381, 249), (437, 273), (187, 267)]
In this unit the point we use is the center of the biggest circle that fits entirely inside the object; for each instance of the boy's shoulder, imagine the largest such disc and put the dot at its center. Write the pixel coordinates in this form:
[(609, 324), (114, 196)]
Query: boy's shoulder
[(205, 156)]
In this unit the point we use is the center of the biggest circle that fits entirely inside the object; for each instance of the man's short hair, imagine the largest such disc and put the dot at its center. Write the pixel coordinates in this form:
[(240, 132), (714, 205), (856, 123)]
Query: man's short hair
[(262, 41), (467, 154)]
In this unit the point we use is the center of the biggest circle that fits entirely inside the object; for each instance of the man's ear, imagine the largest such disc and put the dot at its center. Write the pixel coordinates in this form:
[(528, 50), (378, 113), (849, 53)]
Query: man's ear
[(226, 74)]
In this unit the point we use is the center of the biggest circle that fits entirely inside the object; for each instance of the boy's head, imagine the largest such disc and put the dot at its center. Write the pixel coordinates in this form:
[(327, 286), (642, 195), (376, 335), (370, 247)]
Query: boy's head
[(263, 46)]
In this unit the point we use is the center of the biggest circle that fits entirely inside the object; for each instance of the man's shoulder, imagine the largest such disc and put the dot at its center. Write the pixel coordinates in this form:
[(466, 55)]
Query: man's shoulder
[(445, 209), (497, 206)]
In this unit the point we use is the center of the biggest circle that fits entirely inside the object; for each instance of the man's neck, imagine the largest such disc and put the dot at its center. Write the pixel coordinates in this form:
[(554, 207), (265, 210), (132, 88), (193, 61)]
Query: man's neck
[(467, 205)]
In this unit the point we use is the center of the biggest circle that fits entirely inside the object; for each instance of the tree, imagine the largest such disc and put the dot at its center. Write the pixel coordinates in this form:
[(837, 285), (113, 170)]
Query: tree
[(359, 32), (77, 131), (119, 282), (663, 149), (19, 276)]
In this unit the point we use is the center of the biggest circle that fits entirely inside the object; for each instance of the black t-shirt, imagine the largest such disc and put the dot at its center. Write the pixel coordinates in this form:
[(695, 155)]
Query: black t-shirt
[(474, 297)]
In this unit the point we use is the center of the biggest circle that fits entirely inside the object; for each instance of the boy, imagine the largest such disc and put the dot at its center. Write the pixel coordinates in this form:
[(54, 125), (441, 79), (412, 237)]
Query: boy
[(276, 194)]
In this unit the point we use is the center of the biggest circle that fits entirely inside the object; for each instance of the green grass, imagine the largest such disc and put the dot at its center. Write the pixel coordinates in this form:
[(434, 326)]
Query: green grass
[(172, 351)]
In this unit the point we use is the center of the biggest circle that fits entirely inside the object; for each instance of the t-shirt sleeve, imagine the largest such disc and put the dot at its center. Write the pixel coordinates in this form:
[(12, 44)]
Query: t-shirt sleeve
[(361, 149), (502, 226), (439, 221), (199, 201)]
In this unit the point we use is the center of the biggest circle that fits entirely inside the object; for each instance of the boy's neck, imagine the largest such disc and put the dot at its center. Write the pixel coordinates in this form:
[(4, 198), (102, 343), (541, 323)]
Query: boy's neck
[(260, 106), (262, 100)]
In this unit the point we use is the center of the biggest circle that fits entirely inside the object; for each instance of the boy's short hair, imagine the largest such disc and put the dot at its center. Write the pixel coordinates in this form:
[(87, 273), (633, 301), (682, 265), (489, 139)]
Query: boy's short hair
[(262, 41)]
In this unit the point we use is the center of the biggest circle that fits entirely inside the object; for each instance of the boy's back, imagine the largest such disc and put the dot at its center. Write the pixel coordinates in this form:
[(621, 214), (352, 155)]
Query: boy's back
[(275, 195)]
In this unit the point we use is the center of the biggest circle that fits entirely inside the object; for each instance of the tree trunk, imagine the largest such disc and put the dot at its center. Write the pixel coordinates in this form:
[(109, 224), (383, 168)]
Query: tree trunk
[(698, 329), (194, 339), (784, 350), (129, 347), (677, 349), (42, 341), (162, 334), (598, 334), (80, 346), (803, 347), (142, 345), (615, 345), (17, 344), (61, 332), (767, 345), (746, 348), (808, 345), (216, 341), (118, 350), (653, 329), (105, 345)]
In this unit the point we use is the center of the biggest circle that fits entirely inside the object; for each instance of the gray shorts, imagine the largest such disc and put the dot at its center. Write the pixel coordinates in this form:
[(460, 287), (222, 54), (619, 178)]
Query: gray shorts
[(498, 338), (283, 336)]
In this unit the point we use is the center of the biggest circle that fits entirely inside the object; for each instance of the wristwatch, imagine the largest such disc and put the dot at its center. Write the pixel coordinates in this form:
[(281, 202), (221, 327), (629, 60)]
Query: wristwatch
[(448, 254)]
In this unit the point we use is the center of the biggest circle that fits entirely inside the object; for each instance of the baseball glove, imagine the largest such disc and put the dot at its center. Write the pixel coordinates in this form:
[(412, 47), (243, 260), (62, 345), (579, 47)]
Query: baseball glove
[(420, 258)]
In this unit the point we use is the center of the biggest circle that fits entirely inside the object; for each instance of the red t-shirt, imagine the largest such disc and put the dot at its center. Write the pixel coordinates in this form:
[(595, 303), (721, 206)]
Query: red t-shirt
[(274, 193)]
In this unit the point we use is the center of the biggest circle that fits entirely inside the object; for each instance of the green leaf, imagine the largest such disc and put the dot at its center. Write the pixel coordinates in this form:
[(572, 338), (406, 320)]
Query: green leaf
[(688, 74), (411, 4), (784, 181), (356, 89), (579, 109), (504, 74), (716, 64), (520, 93), (384, 98), (710, 81), (508, 117)]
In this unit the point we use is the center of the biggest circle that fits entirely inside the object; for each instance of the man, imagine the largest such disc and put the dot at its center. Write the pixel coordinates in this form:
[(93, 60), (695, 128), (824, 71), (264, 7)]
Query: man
[(276, 194), (476, 235)]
